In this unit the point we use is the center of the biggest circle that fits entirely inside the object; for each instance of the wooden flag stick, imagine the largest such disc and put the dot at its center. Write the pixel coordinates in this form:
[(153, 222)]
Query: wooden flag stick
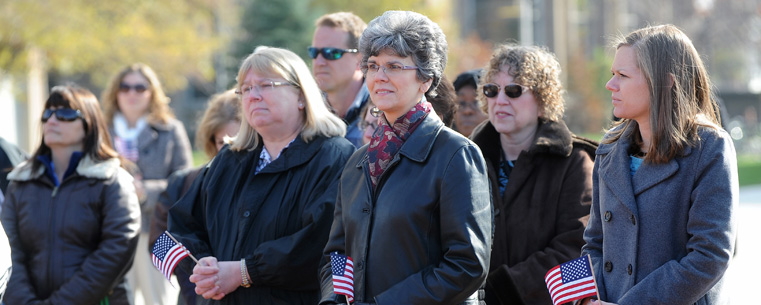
[(347, 299), (594, 277), (186, 250)]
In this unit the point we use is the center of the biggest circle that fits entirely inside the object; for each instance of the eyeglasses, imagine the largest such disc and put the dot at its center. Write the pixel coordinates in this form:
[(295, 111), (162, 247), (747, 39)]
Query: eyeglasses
[(139, 88), (329, 53), (62, 114), (511, 90), (262, 88), (390, 70)]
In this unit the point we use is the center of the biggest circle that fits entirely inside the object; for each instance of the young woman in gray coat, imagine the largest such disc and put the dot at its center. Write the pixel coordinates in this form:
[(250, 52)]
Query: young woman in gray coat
[(663, 224)]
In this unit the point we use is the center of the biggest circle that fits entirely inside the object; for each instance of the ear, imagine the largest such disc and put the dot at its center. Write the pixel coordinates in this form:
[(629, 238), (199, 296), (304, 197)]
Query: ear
[(301, 101), (671, 81), (424, 86)]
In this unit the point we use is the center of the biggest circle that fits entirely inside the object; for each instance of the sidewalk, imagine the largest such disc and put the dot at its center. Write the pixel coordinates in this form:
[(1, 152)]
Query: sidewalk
[(743, 280)]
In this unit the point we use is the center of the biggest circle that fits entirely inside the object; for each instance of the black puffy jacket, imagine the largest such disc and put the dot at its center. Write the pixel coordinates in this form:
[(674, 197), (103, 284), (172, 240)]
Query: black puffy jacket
[(71, 244)]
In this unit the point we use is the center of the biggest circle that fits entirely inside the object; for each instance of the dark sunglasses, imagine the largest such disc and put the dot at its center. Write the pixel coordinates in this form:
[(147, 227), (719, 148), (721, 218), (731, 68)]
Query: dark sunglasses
[(329, 53), (62, 114), (139, 88), (511, 90)]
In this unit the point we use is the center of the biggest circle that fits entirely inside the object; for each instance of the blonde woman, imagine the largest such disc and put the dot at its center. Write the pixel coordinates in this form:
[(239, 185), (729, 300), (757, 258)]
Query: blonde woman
[(145, 132), (258, 216)]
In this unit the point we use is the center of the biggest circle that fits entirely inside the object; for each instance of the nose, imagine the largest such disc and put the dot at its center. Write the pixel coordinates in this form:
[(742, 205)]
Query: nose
[(319, 60), (381, 75), (466, 109), (612, 84)]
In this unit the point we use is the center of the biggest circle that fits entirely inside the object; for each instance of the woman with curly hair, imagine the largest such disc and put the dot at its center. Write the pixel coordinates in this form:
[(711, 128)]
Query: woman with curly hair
[(540, 173)]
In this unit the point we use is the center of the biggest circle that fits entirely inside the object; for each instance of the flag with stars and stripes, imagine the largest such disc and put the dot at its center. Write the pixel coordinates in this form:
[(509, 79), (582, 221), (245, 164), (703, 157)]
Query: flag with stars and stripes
[(570, 281), (166, 254), (343, 275)]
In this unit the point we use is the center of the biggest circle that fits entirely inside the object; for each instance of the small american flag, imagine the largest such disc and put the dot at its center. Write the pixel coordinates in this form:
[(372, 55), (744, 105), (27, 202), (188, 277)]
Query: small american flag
[(570, 281), (166, 254), (343, 275)]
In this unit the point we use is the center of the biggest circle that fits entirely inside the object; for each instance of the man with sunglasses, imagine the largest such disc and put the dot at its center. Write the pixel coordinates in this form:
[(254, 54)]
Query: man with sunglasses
[(335, 66)]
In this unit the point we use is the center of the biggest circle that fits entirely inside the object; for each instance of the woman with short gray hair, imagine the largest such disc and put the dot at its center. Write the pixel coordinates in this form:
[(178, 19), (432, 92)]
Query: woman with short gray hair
[(413, 207)]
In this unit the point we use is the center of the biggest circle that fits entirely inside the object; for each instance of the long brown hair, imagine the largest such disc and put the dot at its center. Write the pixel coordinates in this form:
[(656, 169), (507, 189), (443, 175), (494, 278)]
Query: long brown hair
[(681, 97), (158, 108), (97, 141)]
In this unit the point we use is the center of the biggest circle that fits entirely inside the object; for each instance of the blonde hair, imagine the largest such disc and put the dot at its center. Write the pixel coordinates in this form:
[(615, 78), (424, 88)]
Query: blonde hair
[(531, 66), (158, 107), (679, 88), (318, 120), (222, 109)]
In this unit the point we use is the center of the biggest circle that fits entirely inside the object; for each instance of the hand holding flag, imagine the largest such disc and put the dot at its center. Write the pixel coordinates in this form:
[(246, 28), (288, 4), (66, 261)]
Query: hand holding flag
[(343, 275), (572, 280), (167, 252)]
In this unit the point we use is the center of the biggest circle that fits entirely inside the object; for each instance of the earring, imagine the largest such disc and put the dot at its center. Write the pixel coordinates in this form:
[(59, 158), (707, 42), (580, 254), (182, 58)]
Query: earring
[(375, 111), (301, 105)]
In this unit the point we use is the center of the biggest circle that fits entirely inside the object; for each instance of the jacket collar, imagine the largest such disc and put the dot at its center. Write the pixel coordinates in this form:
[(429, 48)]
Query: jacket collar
[(87, 167), (418, 146), (551, 138), (297, 153), (615, 170)]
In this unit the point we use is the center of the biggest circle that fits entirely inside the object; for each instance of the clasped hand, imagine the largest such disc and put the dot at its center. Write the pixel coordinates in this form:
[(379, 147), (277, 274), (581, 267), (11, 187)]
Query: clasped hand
[(215, 279)]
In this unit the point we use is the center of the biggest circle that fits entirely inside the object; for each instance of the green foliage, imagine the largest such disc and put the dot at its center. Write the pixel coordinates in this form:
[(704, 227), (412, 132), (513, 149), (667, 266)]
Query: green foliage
[(175, 37)]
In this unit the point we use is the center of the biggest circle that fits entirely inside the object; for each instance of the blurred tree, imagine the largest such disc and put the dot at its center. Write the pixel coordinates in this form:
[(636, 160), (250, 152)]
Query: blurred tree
[(175, 37)]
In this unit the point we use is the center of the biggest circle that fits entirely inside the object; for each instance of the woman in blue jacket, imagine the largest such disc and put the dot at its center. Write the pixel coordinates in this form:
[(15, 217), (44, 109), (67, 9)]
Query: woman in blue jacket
[(663, 224)]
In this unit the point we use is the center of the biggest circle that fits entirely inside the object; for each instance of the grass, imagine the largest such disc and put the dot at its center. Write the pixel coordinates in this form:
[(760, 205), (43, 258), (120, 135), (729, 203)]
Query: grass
[(199, 158), (749, 169)]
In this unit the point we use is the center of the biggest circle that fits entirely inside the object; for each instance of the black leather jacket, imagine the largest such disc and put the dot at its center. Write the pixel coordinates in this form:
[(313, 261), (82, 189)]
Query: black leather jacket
[(424, 236), (71, 244)]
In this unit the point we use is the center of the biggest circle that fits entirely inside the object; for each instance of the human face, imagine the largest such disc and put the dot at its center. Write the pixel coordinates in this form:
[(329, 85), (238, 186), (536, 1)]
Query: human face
[(370, 124), (134, 104), (273, 109), (468, 114), (397, 94), (62, 134), (228, 130), (630, 92), (334, 75), (512, 117)]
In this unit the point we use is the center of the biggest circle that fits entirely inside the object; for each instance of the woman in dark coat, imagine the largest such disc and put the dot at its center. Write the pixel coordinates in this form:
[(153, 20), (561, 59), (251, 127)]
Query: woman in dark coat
[(413, 208), (259, 215), (540, 172), (663, 223), (71, 212)]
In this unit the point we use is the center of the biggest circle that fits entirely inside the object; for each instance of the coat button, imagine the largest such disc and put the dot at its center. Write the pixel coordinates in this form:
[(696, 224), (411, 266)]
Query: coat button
[(629, 269), (608, 216), (366, 210), (634, 221), (246, 214), (608, 266)]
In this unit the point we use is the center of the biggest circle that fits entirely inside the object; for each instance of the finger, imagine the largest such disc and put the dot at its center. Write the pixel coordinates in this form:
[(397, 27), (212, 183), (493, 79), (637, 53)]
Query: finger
[(211, 293), (218, 296)]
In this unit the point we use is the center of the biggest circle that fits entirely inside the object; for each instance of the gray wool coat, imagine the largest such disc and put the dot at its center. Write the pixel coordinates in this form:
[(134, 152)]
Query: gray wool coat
[(665, 235), (163, 149)]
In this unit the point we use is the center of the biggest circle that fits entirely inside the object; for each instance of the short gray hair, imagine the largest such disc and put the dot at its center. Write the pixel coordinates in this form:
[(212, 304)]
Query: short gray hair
[(407, 34)]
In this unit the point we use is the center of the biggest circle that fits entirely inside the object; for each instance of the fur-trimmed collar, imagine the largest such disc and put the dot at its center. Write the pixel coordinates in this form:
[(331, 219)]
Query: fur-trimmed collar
[(87, 167)]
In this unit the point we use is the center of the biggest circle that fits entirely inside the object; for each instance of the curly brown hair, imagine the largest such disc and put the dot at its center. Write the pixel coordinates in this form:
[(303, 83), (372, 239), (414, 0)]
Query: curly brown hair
[(531, 66)]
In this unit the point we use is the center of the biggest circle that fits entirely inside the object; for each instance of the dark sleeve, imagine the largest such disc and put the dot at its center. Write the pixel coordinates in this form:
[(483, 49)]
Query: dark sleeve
[(466, 231), (168, 197), (574, 200), (187, 221), (336, 243), (105, 267), (292, 261), (20, 289)]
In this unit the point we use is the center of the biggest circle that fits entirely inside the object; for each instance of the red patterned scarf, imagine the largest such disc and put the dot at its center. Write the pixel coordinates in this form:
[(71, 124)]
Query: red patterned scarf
[(388, 139)]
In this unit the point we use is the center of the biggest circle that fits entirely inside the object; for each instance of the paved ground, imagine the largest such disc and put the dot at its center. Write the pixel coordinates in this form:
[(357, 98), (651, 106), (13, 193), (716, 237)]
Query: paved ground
[(744, 279)]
